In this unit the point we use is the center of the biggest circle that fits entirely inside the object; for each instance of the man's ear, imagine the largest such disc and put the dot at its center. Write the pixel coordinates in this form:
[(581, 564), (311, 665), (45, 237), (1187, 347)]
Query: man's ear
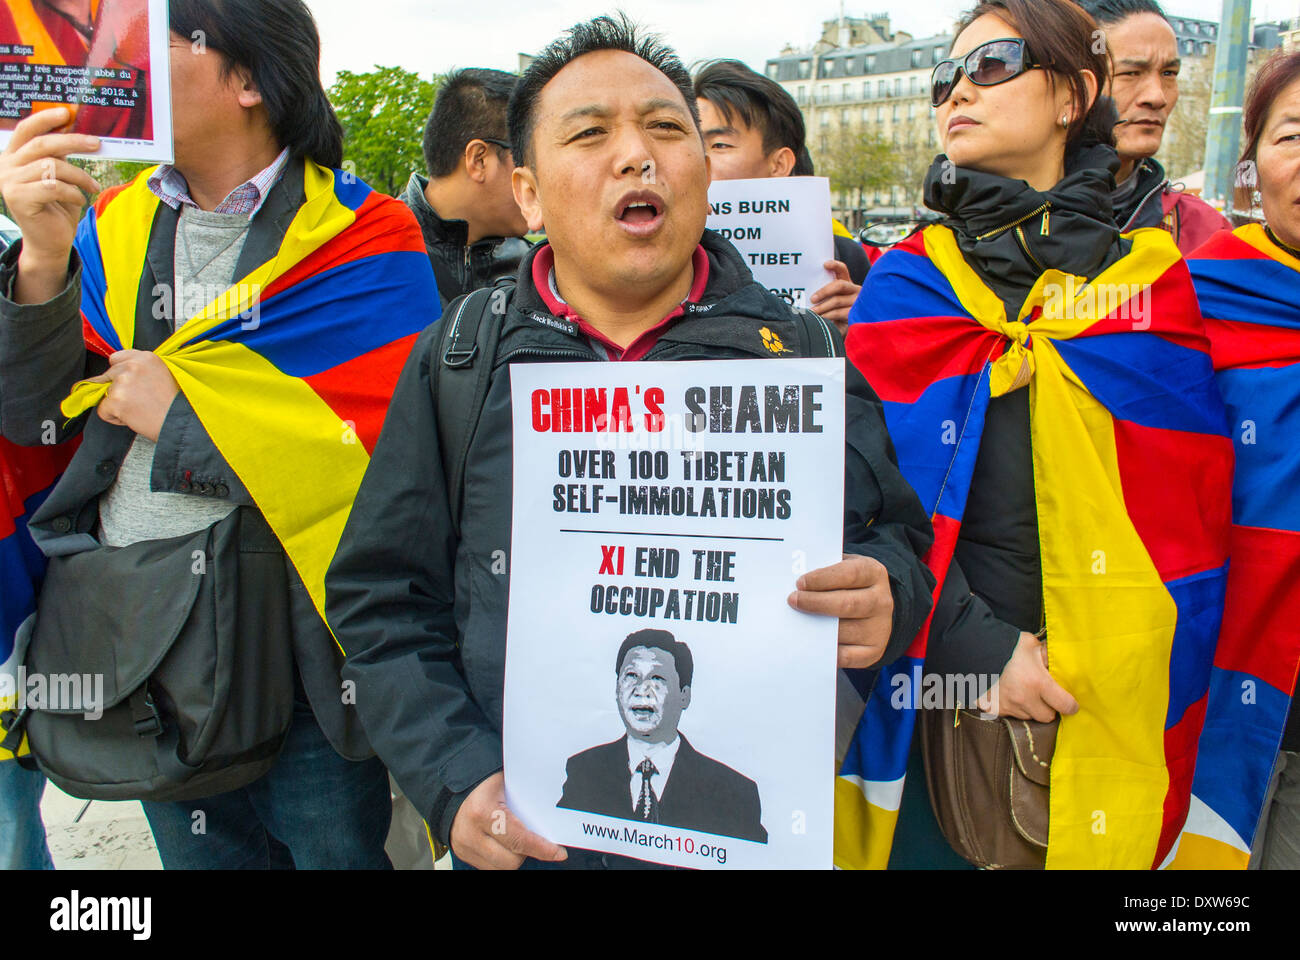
[(780, 162), (524, 184), (686, 696), (476, 160), (249, 95)]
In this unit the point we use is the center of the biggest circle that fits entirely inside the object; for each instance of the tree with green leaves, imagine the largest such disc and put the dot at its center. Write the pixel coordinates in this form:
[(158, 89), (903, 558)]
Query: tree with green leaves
[(857, 162), (383, 113)]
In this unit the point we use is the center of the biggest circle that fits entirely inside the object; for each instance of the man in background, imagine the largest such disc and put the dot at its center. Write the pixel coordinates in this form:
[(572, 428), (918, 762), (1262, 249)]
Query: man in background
[(1144, 86), (472, 227), (753, 128)]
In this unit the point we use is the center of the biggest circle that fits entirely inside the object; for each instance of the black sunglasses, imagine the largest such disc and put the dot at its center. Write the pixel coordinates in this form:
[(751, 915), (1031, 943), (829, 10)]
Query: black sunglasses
[(496, 143), (987, 65)]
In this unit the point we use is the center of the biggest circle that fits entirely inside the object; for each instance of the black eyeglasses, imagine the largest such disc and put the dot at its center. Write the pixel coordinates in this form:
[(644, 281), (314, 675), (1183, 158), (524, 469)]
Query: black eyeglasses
[(987, 65), (496, 143)]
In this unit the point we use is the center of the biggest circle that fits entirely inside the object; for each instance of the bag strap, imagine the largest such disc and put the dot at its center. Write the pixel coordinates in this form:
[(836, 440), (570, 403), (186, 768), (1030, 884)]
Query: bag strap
[(816, 334), (467, 351)]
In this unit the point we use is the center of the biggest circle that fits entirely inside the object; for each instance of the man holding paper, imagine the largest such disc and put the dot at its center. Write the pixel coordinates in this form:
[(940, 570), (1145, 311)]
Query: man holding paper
[(614, 168), (753, 129)]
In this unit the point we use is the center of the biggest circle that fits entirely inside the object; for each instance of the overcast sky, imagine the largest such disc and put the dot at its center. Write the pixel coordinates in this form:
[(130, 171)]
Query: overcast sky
[(431, 36)]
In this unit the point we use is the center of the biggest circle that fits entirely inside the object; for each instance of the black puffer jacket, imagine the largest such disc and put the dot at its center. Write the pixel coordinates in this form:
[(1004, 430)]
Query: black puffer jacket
[(458, 266), (1010, 233), (422, 613)]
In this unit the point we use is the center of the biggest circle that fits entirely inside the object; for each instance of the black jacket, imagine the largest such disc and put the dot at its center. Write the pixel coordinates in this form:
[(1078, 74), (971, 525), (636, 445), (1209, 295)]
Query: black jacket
[(42, 354), (422, 615), (1010, 233), (701, 793), (460, 267)]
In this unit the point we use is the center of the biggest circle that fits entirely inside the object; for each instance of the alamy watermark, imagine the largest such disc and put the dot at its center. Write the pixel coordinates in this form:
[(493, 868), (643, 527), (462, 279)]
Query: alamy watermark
[(65, 692)]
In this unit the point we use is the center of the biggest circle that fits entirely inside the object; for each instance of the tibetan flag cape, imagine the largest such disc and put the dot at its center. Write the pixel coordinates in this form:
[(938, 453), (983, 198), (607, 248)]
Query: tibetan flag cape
[(1249, 290), (27, 475), (1132, 467), (291, 369)]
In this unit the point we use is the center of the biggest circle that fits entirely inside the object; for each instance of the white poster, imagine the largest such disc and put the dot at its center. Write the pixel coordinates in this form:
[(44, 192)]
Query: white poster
[(107, 61), (782, 228), (662, 699)]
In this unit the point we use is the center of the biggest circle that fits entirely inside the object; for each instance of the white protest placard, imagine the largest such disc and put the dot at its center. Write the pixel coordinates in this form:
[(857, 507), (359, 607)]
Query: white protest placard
[(107, 61), (662, 699), (782, 228)]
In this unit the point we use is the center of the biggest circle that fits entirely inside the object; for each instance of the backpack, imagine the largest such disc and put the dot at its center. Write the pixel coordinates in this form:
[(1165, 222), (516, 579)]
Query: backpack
[(467, 351)]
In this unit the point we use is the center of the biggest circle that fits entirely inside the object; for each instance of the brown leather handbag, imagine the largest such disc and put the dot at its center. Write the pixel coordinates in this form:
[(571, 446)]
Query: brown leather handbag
[(988, 781)]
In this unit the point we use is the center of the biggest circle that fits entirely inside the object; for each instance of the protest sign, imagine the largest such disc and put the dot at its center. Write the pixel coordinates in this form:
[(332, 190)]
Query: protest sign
[(782, 228), (662, 699), (107, 61)]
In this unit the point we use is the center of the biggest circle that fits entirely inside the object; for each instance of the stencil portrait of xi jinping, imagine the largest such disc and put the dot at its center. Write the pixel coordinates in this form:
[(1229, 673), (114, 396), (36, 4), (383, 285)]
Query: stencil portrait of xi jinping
[(652, 773)]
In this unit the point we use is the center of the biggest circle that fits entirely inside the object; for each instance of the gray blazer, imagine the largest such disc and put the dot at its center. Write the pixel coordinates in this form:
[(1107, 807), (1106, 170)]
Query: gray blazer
[(42, 354)]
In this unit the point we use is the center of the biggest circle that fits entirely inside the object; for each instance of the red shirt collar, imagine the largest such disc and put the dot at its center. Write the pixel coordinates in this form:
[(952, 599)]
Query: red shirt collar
[(544, 271)]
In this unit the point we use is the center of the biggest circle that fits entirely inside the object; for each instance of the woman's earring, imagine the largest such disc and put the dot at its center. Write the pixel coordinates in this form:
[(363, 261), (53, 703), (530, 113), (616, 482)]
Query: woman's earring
[(1065, 121)]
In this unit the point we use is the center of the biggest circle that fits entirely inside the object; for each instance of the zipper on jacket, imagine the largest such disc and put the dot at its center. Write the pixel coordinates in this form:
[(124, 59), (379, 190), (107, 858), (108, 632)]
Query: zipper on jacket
[(1159, 187), (550, 353), (1042, 209), (1024, 246)]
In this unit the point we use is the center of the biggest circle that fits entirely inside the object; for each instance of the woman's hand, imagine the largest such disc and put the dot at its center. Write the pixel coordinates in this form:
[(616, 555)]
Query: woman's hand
[(1026, 690)]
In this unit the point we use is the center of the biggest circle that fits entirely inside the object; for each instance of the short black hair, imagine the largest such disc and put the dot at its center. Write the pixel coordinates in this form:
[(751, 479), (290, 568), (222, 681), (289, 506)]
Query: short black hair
[(761, 104), (278, 43), (471, 105), (591, 36), (660, 640), (1113, 11)]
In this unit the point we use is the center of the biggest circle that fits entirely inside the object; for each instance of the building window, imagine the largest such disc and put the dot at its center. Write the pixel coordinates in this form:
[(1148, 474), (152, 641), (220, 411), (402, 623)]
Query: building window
[(803, 94), (898, 86), (773, 69), (804, 67), (866, 90), (916, 58), (894, 115), (913, 85), (880, 88), (911, 111), (825, 118), (938, 54), (844, 92), (823, 94), (866, 114), (870, 63), (844, 116), (880, 114)]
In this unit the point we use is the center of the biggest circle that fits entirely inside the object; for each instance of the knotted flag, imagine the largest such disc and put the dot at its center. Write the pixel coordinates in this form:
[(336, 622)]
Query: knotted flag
[(292, 368), (1132, 466), (1249, 290)]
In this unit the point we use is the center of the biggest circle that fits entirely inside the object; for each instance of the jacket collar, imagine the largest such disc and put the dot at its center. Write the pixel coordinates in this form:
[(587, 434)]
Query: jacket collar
[(1001, 228), (436, 230), (732, 300), (265, 235), (1136, 209)]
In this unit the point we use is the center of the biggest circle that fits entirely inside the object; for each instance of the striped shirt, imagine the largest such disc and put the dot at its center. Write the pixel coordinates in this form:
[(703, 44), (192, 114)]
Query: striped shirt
[(169, 186)]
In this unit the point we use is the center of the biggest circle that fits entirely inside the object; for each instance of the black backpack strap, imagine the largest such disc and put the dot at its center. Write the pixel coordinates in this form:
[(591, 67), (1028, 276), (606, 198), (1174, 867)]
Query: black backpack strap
[(467, 351), (816, 334)]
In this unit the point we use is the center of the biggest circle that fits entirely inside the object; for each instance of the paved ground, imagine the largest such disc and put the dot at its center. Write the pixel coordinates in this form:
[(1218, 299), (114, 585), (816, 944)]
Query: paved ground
[(100, 836), (106, 835)]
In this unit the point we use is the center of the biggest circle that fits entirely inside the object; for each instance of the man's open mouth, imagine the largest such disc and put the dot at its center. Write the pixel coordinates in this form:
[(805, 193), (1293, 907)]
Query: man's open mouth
[(639, 211)]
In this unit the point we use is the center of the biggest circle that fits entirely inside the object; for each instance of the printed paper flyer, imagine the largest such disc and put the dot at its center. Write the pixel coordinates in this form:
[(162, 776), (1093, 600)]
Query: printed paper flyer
[(107, 61)]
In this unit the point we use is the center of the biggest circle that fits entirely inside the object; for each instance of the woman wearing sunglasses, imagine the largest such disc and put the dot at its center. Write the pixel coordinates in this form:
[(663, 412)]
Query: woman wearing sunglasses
[(1248, 281), (1048, 387)]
